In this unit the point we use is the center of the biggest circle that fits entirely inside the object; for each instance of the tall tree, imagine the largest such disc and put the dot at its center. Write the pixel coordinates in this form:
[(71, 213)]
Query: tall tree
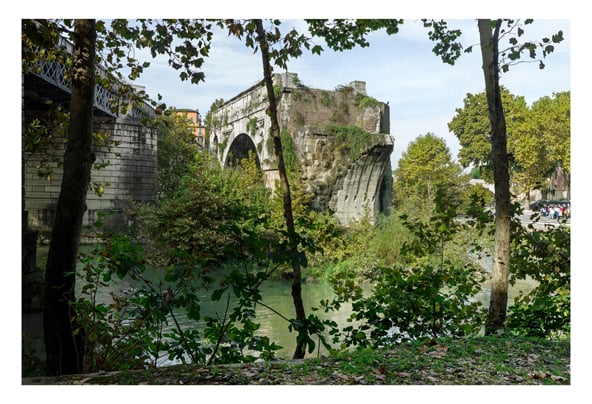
[(284, 185), (494, 62), (64, 346), (489, 35), (276, 49)]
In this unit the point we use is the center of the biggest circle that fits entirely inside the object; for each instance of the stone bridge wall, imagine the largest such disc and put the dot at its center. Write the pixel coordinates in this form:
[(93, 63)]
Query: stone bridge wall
[(340, 138), (131, 175)]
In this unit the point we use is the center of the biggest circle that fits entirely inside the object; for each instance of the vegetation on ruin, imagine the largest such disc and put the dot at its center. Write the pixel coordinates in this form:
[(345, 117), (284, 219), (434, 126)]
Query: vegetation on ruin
[(252, 126), (365, 101), (290, 158), (351, 140)]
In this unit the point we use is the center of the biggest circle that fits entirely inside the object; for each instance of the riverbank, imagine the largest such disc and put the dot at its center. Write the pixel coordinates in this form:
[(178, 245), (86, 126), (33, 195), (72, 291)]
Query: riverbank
[(472, 361)]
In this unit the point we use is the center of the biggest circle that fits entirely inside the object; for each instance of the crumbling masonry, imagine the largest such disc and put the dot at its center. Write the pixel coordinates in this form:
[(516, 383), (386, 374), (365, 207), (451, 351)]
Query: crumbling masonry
[(340, 139)]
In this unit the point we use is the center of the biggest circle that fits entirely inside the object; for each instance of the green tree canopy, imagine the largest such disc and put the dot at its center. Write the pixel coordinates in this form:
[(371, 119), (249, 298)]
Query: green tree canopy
[(199, 222), (472, 128), (425, 166), (538, 137), (551, 116), (541, 144)]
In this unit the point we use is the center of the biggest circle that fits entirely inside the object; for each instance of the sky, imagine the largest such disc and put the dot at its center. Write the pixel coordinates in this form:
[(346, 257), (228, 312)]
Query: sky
[(422, 91)]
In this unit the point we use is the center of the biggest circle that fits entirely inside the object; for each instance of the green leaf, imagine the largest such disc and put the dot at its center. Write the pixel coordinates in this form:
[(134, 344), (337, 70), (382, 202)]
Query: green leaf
[(311, 345), (557, 37), (217, 294)]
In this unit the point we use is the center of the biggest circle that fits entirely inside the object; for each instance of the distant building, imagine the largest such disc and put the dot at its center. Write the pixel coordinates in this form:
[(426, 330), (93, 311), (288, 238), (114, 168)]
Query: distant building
[(199, 131)]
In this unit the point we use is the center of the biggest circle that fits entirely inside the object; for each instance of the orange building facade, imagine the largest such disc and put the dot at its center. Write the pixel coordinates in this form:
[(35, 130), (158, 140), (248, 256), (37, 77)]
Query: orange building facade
[(199, 131)]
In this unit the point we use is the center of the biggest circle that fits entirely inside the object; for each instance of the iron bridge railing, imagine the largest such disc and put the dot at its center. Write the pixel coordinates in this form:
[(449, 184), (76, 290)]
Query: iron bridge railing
[(105, 100)]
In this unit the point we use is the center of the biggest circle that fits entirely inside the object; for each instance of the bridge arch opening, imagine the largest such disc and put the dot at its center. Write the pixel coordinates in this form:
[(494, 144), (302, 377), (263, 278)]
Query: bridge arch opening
[(240, 149)]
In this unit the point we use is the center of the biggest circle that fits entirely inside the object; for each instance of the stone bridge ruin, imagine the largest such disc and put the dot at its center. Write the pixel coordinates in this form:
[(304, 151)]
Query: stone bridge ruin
[(339, 138)]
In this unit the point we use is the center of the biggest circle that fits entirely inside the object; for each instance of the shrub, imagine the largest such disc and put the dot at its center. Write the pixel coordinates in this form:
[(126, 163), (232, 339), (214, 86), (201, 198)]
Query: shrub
[(544, 256)]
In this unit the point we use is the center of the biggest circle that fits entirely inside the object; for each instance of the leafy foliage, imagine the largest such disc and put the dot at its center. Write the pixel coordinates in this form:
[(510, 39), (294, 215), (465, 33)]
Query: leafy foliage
[(195, 224), (544, 256), (425, 166), (447, 46), (538, 137), (550, 120), (346, 34), (111, 340), (514, 31), (281, 47), (472, 128), (176, 151), (429, 292)]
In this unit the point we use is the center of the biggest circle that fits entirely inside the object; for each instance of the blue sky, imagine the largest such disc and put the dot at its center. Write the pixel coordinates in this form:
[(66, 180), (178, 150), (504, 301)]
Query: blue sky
[(422, 91)]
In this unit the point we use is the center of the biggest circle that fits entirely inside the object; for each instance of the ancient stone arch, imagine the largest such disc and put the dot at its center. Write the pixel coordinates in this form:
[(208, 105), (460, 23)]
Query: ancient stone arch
[(340, 138), (240, 148)]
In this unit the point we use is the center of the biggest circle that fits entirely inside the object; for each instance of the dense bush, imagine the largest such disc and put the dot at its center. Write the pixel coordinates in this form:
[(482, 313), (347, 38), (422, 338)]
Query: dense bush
[(201, 221), (427, 293), (544, 256)]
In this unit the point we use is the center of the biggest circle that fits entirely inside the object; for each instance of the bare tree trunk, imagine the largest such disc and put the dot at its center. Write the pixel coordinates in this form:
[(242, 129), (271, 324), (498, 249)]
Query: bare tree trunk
[(501, 255), (64, 345), (285, 185)]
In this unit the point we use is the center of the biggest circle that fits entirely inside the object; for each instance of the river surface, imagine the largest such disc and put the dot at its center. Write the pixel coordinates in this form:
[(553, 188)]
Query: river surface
[(276, 294)]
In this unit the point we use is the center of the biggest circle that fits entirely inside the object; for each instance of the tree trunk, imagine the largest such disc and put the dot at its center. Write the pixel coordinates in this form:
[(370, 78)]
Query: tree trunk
[(284, 184), (63, 341), (501, 255)]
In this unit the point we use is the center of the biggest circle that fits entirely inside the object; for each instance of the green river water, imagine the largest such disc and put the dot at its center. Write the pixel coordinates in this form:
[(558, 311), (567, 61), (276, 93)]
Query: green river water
[(276, 294)]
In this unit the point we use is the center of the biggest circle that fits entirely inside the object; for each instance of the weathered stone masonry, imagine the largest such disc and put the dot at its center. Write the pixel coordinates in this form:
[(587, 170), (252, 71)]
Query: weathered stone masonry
[(347, 169), (129, 176)]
